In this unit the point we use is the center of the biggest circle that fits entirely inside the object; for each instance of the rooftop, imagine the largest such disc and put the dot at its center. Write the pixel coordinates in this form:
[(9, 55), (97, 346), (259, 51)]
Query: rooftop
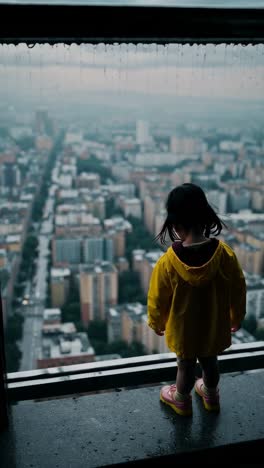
[(59, 347), (60, 272), (103, 267), (51, 314)]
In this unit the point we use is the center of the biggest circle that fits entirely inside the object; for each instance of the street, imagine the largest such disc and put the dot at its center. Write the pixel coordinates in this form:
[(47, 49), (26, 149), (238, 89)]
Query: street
[(33, 312), (31, 344)]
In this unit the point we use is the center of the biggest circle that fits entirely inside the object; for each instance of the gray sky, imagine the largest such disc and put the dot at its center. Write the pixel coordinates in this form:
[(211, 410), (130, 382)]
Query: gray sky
[(226, 71)]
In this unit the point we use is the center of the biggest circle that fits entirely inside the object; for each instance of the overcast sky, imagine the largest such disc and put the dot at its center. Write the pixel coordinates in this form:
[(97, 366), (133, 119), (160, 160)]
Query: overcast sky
[(204, 70)]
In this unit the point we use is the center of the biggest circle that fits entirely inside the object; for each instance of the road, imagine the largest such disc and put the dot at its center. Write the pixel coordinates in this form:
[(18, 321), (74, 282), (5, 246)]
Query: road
[(31, 344), (33, 312)]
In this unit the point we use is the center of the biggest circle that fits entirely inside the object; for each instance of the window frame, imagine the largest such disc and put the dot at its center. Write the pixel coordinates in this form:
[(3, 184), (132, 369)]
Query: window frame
[(52, 23), (31, 23)]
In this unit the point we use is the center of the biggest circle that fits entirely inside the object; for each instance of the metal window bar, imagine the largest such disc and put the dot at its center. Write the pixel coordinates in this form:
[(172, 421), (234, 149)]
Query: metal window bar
[(113, 21), (140, 372), (127, 363)]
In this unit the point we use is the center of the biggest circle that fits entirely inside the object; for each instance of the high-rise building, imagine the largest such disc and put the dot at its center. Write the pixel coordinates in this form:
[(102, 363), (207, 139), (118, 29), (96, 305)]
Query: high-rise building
[(257, 240), (66, 251), (108, 250), (181, 176), (43, 124), (186, 145), (10, 178), (152, 342), (122, 264), (152, 159), (144, 262), (218, 199), (98, 250), (152, 207), (132, 322), (239, 199), (159, 221), (119, 241), (250, 258), (88, 180), (124, 322), (93, 250), (142, 132), (131, 207), (257, 200), (137, 259), (59, 284), (114, 324), (255, 303), (98, 290), (115, 228)]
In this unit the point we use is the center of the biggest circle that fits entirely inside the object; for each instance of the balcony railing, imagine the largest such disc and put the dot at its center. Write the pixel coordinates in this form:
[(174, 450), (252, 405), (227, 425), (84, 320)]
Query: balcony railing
[(121, 373)]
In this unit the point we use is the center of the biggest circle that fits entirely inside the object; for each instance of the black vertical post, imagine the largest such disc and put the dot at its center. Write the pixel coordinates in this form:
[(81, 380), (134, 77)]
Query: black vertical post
[(3, 380)]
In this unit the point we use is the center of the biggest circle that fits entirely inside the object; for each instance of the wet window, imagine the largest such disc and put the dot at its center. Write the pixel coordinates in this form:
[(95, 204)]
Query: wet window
[(92, 138)]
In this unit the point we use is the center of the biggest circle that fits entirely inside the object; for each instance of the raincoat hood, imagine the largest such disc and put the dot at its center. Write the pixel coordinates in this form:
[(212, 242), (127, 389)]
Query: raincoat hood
[(197, 276)]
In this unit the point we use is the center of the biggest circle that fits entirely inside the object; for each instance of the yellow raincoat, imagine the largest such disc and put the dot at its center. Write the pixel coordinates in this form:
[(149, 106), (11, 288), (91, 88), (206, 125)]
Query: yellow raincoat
[(197, 306)]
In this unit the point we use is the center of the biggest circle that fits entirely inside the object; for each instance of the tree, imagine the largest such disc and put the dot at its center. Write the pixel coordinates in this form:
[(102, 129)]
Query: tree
[(140, 238), (38, 208), (13, 356), (125, 350), (259, 334), (48, 303), (4, 277), (250, 324), (129, 288), (135, 349), (26, 143), (30, 248), (111, 209), (22, 277), (74, 293), (94, 165), (71, 312), (19, 289), (14, 328), (99, 346), (97, 330), (31, 242)]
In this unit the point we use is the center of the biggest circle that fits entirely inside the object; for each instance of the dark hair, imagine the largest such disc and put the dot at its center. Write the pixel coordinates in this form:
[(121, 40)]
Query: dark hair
[(188, 207)]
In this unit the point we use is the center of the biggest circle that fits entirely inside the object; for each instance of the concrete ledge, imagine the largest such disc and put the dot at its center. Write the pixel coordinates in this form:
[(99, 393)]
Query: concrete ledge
[(132, 426)]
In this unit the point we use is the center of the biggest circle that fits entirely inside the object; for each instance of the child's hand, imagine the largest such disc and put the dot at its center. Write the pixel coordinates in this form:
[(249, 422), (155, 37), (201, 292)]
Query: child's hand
[(235, 328), (159, 332)]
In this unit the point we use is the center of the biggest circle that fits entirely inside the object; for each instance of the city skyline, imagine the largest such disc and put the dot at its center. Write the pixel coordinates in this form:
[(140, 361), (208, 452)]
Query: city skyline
[(107, 199)]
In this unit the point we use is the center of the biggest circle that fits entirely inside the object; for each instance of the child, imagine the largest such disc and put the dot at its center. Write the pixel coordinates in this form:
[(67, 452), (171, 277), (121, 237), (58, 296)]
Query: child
[(197, 296)]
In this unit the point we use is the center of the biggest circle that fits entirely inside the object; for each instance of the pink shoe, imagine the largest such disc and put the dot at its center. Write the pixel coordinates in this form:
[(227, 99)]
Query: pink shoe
[(211, 402), (184, 408)]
